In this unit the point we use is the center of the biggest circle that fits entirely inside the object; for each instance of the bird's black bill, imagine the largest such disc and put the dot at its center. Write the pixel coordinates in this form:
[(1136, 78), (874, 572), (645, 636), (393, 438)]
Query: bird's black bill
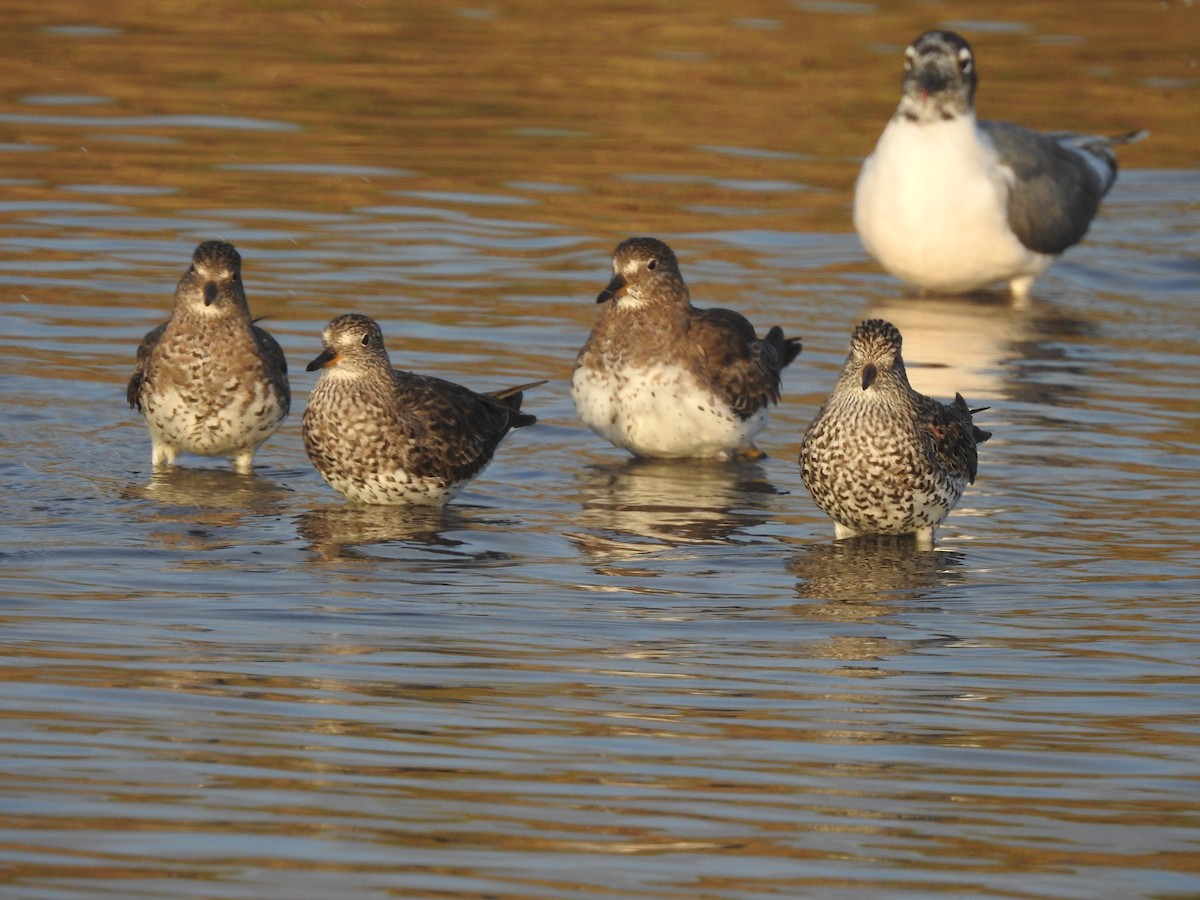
[(932, 82), (321, 361), (869, 374), (210, 293), (615, 289)]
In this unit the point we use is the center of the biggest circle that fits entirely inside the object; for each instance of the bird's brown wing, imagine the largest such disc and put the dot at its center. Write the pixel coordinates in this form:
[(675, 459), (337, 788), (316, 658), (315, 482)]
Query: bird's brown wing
[(133, 393), (955, 437), (744, 370), (454, 430), (276, 364)]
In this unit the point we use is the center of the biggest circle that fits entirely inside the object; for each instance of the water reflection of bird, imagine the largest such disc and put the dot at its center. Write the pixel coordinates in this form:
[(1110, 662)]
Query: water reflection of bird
[(881, 457), (985, 347), (341, 532), (958, 344), (195, 508), (208, 380), (641, 505), (211, 489), (383, 436), (868, 574), (664, 379), (950, 204)]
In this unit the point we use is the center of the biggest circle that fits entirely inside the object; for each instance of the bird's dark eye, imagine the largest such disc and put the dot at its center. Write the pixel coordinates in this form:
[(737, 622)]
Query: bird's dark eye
[(366, 340), (652, 265), (964, 61)]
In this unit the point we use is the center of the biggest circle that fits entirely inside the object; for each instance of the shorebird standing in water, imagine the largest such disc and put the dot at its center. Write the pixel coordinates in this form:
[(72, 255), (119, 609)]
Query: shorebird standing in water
[(384, 436), (662, 378), (881, 458), (208, 380)]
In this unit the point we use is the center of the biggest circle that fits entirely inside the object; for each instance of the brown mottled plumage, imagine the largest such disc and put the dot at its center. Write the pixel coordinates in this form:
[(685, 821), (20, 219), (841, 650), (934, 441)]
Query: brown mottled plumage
[(881, 457), (208, 380), (383, 436), (662, 378)]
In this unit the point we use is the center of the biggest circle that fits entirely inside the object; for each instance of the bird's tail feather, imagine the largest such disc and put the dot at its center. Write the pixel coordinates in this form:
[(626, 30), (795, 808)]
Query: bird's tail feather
[(976, 432), (787, 348), (512, 398)]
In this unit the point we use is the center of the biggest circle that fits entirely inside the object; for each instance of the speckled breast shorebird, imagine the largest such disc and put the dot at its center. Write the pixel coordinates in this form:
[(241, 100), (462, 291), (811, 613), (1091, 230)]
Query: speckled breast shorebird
[(379, 435), (949, 204), (662, 378), (882, 458), (208, 380)]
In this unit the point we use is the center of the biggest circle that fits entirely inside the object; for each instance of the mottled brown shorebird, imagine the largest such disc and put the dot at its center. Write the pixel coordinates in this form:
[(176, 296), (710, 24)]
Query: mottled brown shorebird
[(881, 457), (662, 378), (208, 380), (384, 436)]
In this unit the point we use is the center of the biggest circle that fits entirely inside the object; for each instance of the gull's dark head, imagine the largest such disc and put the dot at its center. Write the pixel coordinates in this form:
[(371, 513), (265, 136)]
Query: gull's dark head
[(939, 78)]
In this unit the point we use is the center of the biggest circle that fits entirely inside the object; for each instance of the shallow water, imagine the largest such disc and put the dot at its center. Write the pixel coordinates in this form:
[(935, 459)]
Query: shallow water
[(589, 677)]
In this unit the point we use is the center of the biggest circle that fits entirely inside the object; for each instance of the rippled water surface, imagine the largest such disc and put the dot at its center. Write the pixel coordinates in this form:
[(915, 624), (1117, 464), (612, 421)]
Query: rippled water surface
[(589, 677)]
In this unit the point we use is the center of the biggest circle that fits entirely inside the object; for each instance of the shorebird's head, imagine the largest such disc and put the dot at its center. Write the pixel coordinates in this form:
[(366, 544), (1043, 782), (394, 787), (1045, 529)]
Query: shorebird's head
[(939, 78), (212, 285), (645, 272), (874, 363), (353, 343)]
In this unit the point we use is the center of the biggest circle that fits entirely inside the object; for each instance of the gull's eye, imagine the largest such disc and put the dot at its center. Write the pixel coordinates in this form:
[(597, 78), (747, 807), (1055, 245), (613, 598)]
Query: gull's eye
[(366, 340), (652, 265), (964, 60)]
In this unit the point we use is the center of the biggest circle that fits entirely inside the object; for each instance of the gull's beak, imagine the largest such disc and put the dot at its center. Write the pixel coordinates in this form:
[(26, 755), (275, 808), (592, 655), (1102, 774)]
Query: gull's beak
[(932, 81), (869, 374)]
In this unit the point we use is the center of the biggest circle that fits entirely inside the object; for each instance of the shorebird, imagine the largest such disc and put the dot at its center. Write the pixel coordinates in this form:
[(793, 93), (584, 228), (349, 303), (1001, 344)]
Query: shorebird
[(881, 458), (208, 380), (662, 378), (379, 435), (949, 204)]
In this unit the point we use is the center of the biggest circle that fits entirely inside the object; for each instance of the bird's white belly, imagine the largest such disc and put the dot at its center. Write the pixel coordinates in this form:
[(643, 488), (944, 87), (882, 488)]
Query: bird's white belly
[(931, 206), (173, 418), (660, 411)]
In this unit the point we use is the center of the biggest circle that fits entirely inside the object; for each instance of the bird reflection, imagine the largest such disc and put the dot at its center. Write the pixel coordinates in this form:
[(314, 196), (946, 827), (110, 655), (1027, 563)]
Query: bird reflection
[(207, 503), (969, 344), (341, 531), (641, 505), (868, 574), (211, 489), (957, 344)]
